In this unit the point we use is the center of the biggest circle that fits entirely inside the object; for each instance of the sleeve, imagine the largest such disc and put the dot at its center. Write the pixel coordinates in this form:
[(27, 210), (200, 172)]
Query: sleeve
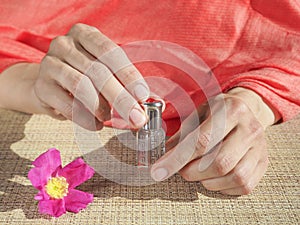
[(23, 33), (278, 88), (13, 51), (267, 56)]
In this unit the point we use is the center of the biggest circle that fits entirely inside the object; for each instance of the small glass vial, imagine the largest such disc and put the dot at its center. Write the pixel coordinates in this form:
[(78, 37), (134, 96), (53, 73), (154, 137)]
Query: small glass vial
[(151, 137)]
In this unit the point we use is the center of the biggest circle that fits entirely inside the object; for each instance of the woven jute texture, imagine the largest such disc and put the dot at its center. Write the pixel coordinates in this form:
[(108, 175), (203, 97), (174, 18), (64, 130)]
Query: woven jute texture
[(23, 137)]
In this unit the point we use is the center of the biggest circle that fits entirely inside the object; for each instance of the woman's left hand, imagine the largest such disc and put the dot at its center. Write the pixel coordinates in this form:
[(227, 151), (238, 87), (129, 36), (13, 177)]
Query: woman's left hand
[(230, 159)]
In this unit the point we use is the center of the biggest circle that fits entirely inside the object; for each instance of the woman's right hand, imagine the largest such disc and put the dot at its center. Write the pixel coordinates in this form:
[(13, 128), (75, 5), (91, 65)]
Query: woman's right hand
[(88, 67)]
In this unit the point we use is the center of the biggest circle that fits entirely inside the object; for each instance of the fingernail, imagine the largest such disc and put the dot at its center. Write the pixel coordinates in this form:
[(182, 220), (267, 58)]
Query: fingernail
[(137, 118), (159, 174), (141, 92)]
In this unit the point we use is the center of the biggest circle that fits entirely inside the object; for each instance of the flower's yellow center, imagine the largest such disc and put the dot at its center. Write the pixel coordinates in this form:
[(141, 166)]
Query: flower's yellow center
[(57, 187)]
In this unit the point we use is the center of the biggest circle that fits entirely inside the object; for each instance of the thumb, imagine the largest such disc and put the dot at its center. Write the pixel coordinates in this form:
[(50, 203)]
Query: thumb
[(189, 143), (176, 158)]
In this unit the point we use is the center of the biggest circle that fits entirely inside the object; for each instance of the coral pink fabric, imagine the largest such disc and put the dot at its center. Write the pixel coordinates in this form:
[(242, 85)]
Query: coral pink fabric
[(247, 43)]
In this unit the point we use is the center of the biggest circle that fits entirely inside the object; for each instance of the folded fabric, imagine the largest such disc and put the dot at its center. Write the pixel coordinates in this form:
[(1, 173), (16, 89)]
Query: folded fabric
[(253, 44)]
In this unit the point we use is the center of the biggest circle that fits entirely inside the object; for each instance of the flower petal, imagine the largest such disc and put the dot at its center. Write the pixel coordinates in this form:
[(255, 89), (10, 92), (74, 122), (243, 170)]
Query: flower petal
[(39, 196), (77, 200), (37, 179), (45, 165), (53, 207), (76, 172), (50, 159)]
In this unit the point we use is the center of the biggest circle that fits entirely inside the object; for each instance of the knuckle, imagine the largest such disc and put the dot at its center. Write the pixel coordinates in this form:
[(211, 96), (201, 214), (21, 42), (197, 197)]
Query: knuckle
[(47, 60), (71, 80), (241, 107), (78, 27), (237, 108), (64, 71), (259, 130), (223, 165), (99, 73), (254, 123), (86, 31), (202, 142), (57, 42), (106, 46), (185, 175), (124, 100), (240, 177), (79, 84), (180, 161), (47, 65), (127, 75), (207, 186), (67, 111), (61, 45), (247, 189), (255, 132)]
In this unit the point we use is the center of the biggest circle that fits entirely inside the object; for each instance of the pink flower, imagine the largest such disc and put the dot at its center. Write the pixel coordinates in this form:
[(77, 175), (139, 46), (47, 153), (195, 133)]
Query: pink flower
[(56, 184)]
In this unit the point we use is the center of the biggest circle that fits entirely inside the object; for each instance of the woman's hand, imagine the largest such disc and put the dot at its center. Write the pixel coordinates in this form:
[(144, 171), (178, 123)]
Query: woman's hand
[(87, 66), (83, 72), (232, 157)]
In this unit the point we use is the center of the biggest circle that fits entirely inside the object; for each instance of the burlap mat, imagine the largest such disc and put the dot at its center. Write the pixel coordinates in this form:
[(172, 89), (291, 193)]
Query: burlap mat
[(22, 138)]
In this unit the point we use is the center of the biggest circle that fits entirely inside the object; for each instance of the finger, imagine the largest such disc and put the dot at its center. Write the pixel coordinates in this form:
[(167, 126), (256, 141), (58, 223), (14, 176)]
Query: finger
[(79, 85), (238, 177), (46, 109), (70, 52), (233, 149), (124, 104), (191, 171), (252, 183), (122, 99), (104, 108), (62, 102), (220, 163), (113, 91), (107, 52), (99, 74), (64, 48), (231, 152), (195, 144), (84, 118), (187, 126)]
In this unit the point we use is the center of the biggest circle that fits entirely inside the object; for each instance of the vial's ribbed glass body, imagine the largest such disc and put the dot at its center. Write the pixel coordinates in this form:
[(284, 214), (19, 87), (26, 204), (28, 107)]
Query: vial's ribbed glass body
[(151, 137)]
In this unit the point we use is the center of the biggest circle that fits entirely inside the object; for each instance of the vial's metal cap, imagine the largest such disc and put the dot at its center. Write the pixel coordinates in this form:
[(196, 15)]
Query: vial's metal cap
[(153, 110)]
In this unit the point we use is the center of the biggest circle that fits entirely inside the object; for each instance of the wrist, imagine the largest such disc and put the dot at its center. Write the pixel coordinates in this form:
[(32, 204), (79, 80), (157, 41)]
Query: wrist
[(263, 111)]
